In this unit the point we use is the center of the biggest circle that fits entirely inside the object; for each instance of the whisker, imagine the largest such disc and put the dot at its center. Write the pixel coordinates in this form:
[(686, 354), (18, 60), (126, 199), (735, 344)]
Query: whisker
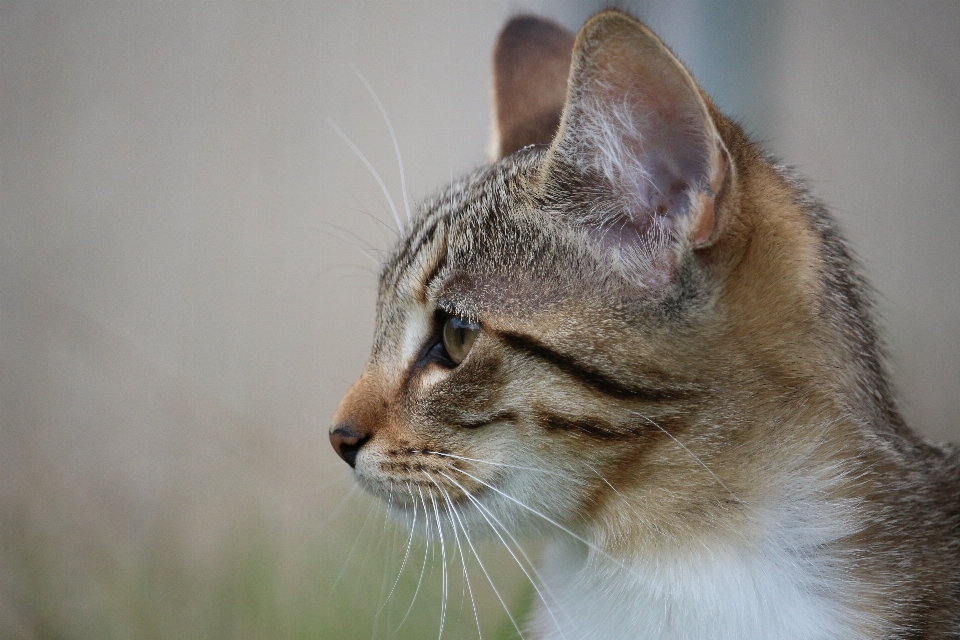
[(422, 568), (363, 158), (396, 146), (463, 560), (487, 575), (629, 504), (406, 554), (374, 542), (359, 206), (385, 578), (483, 512), (389, 506), (331, 517), (343, 236), (367, 245), (353, 548), (692, 454), (551, 521), (443, 561), (496, 464), (380, 222), (607, 482)]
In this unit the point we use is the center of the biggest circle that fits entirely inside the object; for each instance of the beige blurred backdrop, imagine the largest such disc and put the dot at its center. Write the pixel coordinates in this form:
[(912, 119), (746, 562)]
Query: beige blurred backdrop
[(187, 275)]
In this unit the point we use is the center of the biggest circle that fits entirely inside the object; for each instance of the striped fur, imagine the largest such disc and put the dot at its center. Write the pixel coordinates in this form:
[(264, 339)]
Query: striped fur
[(688, 397)]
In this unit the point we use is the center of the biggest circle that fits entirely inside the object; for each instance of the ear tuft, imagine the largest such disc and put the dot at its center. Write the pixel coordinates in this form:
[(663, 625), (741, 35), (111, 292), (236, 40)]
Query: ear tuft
[(531, 62)]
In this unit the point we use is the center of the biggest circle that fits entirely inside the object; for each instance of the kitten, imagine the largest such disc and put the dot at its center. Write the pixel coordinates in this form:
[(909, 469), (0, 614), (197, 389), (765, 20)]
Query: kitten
[(637, 334)]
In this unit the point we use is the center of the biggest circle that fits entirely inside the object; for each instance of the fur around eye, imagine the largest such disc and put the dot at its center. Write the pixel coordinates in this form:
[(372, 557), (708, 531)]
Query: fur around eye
[(704, 469), (458, 337)]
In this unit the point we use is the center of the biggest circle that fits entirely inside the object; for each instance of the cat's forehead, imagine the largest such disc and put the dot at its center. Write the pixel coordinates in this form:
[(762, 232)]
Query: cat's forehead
[(487, 225)]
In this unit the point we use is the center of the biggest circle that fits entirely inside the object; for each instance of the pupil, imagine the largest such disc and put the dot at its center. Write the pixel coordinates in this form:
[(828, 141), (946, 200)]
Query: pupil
[(458, 337), (462, 325)]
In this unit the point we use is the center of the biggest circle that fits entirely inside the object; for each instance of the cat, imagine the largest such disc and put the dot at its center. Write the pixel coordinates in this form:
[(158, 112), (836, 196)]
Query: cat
[(637, 334)]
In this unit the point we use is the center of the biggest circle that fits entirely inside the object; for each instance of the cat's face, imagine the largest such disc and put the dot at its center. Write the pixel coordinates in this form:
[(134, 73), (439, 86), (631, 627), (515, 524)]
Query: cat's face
[(551, 325), (505, 355)]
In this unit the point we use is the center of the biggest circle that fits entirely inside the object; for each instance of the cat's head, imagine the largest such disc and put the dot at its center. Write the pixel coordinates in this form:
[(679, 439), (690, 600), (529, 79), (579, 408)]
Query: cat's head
[(567, 324)]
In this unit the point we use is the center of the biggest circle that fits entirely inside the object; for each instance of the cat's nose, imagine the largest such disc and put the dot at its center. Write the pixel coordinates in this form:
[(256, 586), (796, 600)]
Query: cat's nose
[(347, 442)]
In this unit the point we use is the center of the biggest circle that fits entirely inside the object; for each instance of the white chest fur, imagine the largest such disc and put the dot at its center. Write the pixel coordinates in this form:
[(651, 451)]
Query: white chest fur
[(729, 592)]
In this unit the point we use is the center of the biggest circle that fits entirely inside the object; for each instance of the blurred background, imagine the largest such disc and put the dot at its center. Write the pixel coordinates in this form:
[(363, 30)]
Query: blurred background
[(183, 295)]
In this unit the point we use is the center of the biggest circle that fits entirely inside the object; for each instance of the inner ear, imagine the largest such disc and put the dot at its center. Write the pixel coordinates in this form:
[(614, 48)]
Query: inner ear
[(531, 63), (637, 129)]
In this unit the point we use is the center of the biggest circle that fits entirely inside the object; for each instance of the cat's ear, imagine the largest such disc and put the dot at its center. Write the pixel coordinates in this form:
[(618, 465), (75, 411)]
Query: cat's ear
[(531, 63), (636, 129)]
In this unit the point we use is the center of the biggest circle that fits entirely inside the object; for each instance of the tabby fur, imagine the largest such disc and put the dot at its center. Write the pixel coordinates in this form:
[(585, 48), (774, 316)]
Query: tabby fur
[(677, 378)]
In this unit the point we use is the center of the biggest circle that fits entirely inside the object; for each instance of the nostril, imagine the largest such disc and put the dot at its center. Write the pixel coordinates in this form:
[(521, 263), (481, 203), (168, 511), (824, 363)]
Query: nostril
[(347, 442), (348, 450)]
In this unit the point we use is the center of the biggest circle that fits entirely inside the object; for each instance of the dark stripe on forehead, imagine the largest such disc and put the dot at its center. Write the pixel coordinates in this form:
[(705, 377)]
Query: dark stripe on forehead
[(412, 248), (493, 181), (409, 250), (430, 275), (586, 374), (484, 190)]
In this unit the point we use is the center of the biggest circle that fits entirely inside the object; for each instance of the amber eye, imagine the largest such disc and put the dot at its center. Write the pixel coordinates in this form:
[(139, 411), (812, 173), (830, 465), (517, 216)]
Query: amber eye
[(458, 337)]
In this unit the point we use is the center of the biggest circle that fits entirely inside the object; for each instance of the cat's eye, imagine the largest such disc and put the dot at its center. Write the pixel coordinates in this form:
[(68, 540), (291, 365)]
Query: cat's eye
[(458, 336)]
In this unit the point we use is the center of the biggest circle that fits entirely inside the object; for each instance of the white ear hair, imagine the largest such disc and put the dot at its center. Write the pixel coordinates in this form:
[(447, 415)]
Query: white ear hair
[(637, 126), (606, 141)]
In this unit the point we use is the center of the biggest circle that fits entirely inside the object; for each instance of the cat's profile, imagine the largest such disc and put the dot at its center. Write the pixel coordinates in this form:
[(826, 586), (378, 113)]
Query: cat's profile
[(638, 335)]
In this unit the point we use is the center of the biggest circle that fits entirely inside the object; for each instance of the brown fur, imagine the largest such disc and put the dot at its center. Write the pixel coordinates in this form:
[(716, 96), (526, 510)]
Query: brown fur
[(758, 356), (531, 62)]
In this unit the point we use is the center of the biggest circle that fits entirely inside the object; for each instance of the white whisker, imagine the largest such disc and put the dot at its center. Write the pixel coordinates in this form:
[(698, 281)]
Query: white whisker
[(363, 158), (360, 240), (385, 577), (353, 548), (627, 502), (607, 482), (443, 562), (535, 582), (406, 553), (550, 520), (380, 222), (496, 464), (463, 560), (396, 146), (342, 235), (692, 454), (374, 542), (331, 517), (422, 568), (487, 575)]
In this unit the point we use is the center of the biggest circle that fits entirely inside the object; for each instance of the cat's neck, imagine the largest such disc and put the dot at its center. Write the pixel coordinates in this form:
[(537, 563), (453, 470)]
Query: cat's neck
[(779, 575), (725, 591)]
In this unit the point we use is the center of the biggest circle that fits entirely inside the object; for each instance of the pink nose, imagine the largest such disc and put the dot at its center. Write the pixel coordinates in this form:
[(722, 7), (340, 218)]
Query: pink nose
[(346, 442)]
